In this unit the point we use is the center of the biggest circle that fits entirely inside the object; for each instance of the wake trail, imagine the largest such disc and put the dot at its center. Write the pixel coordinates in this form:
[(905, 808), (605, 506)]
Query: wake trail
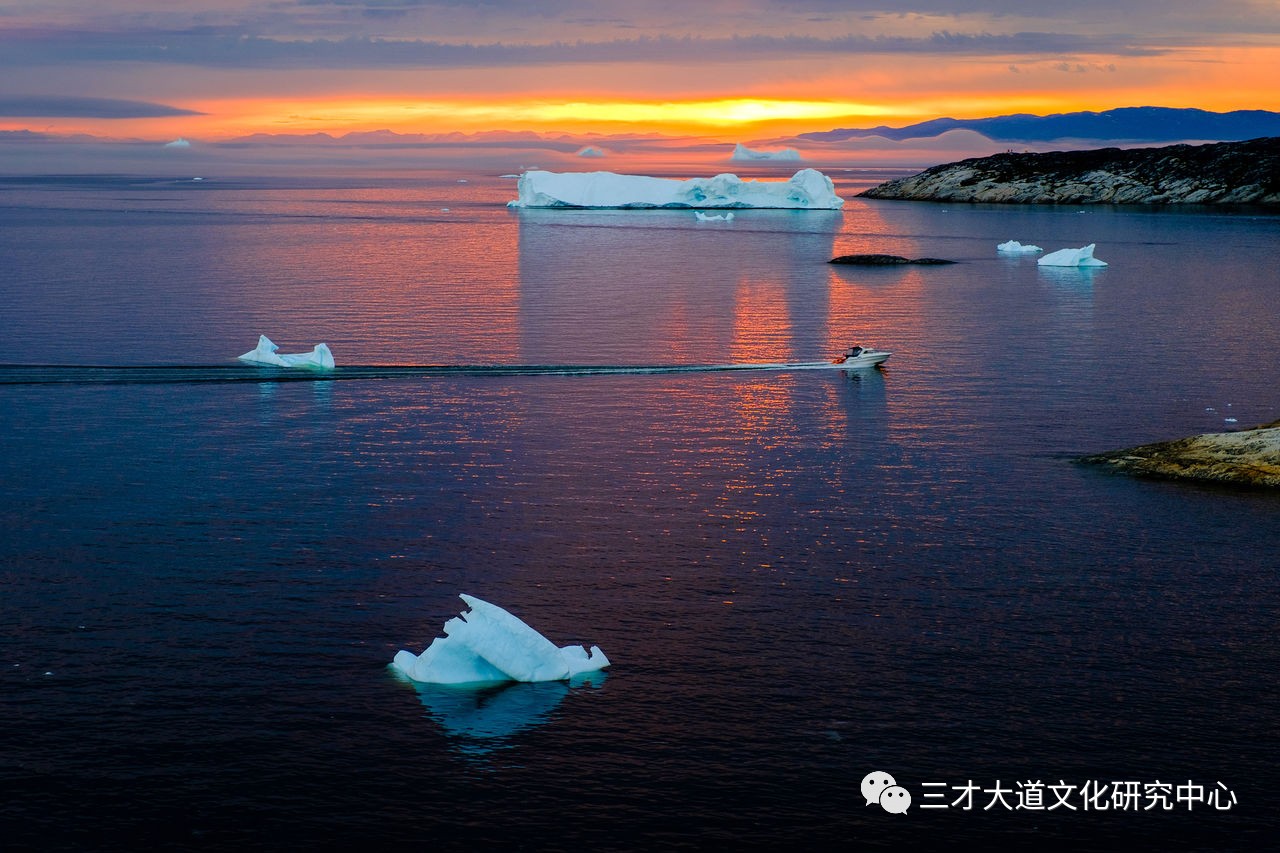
[(57, 374)]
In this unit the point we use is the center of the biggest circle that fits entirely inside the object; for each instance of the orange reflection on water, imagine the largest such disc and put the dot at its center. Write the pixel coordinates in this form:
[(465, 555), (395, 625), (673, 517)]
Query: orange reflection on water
[(383, 276), (760, 322)]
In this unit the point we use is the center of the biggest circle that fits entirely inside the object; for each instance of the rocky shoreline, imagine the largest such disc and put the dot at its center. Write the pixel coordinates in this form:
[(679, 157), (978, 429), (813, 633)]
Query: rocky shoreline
[(1219, 173), (1249, 457)]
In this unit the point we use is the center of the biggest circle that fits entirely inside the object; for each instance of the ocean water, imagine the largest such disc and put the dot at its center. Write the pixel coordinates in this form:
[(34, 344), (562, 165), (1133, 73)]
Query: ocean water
[(801, 577)]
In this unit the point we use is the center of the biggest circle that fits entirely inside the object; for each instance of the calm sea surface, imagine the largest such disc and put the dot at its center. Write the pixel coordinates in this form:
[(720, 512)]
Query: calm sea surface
[(800, 577)]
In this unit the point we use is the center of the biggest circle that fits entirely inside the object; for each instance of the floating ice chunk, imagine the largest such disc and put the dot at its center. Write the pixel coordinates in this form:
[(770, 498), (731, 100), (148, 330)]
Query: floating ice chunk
[(808, 189), (590, 151), (720, 217), (178, 143), (743, 153), (319, 357), (487, 643), (266, 353), (1013, 247), (1072, 258)]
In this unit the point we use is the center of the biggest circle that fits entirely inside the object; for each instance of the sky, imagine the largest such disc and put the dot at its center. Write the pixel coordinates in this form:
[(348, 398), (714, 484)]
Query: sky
[(754, 69)]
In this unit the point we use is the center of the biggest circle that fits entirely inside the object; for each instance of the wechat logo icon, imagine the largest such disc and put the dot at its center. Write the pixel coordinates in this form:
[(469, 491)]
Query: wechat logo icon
[(880, 787)]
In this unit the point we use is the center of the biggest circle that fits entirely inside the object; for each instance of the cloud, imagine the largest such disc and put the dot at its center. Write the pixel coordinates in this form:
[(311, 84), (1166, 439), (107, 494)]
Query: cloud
[(58, 106), (211, 48)]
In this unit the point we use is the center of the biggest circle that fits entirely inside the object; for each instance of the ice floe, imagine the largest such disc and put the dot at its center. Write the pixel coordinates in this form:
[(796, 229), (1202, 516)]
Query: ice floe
[(719, 217), (807, 189), (590, 151), (742, 153), (1082, 257), (1013, 247), (266, 353), (488, 644)]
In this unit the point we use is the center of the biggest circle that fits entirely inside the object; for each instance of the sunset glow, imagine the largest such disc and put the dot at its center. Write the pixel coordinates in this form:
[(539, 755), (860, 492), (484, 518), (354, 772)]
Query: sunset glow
[(219, 70), (543, 115)]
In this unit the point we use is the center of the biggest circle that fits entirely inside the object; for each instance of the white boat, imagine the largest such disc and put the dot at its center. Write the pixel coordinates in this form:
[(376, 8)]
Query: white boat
[(861, 357)]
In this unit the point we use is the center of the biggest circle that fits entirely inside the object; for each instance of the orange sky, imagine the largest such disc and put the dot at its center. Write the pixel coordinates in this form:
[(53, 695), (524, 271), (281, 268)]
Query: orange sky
[(218, 69), (898, 92)]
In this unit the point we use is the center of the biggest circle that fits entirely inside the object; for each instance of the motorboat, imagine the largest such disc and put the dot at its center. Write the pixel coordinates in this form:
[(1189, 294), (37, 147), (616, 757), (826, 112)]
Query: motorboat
[(861, 357)]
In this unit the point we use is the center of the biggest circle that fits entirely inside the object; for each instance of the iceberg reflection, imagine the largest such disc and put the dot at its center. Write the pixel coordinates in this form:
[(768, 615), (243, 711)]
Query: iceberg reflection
[(482, 718)]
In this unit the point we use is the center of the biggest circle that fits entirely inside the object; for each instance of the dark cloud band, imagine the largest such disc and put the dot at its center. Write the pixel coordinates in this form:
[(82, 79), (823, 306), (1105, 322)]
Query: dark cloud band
[(54, 106)]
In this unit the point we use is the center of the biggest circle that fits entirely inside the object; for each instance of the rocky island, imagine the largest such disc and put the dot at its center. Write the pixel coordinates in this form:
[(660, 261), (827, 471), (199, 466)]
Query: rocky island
[(1248, 457), (887, 261), (1219, 173)]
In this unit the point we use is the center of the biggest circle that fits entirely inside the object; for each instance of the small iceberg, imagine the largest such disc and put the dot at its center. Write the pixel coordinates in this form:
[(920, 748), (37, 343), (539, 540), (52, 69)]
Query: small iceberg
[(318, 359), (807, 189), (1072, 258), (1013, 247), (720, 217), (742, 153), (590, 151), (488, 644)]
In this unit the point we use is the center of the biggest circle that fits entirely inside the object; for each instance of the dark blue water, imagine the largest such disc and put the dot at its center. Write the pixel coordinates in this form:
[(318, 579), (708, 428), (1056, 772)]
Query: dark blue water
[(800, 577)]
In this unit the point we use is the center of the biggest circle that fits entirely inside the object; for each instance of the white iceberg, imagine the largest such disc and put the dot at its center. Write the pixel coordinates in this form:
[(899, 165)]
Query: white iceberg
[(265, 353), (1072, 258), (178, 143), (808, 189), (742, 153), (719, 217), (590, 151), (1013, 247), (487, 644)]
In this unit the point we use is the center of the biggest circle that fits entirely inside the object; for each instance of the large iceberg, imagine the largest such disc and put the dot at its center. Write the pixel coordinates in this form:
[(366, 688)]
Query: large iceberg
[(808, 189), (1013, 247), (318, 359), (742, 153), (1072, 258), (488, 644)]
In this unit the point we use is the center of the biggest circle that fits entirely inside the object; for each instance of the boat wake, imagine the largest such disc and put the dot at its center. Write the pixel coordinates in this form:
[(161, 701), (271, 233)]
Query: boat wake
[(56, 374)]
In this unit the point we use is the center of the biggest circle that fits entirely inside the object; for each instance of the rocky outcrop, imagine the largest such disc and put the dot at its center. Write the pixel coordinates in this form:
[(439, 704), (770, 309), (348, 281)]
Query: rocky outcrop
[(886, 260), (1249, 457), (1221, 173)]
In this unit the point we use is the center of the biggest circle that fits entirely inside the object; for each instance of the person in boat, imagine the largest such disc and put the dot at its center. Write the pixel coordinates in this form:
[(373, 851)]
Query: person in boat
[(851, 352)]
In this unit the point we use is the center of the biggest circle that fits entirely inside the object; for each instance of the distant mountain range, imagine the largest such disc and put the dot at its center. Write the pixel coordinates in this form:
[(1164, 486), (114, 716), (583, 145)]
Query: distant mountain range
[(1127, 124)]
